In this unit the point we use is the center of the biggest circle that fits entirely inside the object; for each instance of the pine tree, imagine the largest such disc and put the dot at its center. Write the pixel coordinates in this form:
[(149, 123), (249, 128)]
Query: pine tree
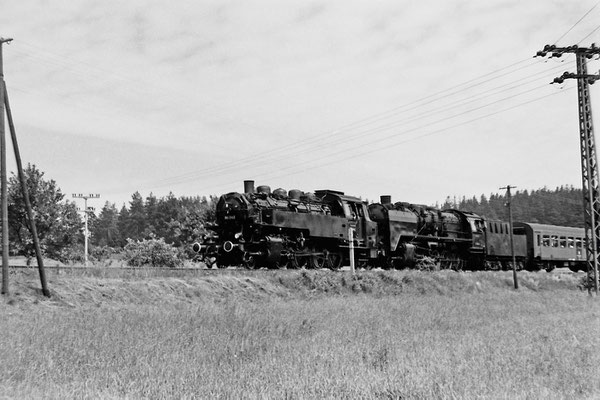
[(136, 223), (151, 210), (123, 225), (105, 232)]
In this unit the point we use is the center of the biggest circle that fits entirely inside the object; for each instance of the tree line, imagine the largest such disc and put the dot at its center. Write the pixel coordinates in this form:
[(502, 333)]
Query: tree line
[(561, 206), (177, 220)]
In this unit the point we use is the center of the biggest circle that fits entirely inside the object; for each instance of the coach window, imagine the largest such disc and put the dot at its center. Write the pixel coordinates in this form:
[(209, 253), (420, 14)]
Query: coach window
[(554, 241), (539, 240), (563, 242), (546, 242), (571, 243)]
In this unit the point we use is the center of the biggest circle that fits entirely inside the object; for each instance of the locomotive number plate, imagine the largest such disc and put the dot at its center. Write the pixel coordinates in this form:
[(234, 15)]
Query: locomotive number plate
[(229, 217)]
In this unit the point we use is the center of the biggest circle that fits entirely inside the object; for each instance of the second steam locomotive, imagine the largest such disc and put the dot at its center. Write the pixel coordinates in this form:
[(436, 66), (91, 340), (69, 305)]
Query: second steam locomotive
[(279, 229)]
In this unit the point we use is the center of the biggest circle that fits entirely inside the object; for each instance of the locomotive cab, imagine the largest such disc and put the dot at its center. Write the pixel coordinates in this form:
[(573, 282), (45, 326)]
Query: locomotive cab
[(354, 214)]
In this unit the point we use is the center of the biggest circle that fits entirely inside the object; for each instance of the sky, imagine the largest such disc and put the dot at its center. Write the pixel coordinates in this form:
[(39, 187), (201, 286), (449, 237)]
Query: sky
[(419, 100)]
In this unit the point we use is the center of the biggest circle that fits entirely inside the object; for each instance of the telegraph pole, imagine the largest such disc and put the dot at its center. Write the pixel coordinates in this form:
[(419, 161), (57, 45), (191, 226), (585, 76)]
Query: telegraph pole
[(86, 210), (510, 226), (23, 180), (589, 159), (3, 181)]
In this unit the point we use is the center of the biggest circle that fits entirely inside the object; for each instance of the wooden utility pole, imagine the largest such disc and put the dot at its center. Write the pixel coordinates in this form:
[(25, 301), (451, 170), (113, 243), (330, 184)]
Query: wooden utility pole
[(25, 191), (510, 227), (590, 176), (4, 189), (3, 181)]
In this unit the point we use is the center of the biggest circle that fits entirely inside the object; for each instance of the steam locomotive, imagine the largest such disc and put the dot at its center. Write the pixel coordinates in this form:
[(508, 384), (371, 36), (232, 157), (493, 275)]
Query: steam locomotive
[(261, 228)]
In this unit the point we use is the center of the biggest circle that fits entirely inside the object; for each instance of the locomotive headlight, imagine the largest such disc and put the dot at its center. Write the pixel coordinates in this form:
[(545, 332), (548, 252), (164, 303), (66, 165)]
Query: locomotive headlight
[(238, 235), (197, 247)]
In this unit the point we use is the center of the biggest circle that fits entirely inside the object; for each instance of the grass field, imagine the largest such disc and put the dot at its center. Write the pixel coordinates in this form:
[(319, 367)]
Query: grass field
[(300, 335)]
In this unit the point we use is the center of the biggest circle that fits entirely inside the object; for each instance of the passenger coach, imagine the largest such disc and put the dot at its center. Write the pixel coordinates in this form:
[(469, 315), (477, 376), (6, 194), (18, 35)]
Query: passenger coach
[(550, 246)]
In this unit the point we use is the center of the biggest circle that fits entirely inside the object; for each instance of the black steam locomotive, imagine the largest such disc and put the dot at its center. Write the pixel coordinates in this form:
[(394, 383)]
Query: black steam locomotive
[(280, 229)]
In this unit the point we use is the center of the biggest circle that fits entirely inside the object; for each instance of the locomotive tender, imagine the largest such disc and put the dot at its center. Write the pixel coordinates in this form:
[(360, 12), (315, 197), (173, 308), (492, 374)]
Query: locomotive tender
[(280, 229)]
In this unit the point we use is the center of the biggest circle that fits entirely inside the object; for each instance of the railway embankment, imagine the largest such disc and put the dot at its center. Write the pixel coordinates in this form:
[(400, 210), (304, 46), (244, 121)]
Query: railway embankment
[(96, 287)]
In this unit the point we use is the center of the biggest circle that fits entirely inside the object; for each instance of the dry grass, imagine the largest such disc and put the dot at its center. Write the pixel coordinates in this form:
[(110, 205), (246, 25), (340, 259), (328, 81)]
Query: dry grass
[(301, 335)]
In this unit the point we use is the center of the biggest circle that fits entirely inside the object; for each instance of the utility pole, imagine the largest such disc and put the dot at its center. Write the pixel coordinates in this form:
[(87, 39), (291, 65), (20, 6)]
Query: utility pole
[(86, 210), (589, 159), (510, 227), (23, 180), (3, 181)]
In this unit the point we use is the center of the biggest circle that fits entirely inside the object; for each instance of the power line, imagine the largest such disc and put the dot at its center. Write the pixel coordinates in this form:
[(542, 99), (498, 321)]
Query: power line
[(577, 23), (348, 138), (590, 34), (324, 139), (437, 131), (293, 170)]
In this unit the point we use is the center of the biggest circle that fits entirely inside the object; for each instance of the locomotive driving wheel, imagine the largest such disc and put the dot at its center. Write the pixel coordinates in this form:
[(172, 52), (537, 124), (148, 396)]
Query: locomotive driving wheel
[(334, 260), (326, 259), (299, 261), (318, 259)]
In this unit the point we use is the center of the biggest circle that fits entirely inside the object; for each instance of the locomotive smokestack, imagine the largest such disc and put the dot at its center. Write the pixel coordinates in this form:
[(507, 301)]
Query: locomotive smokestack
[(248, 186), (386, 199)]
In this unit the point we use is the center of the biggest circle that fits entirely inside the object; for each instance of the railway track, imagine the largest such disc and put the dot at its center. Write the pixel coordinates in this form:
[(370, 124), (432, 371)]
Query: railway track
[(58, 269)]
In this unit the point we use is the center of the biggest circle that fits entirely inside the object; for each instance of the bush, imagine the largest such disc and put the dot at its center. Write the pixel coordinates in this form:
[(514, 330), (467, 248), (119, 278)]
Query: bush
[(102, 253), (151, 252), (72, 254)]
